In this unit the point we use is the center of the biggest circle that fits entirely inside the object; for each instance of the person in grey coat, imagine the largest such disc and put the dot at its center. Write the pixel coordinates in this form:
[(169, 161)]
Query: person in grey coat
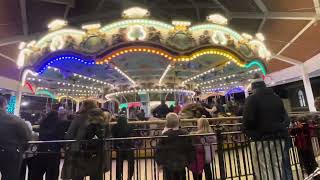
[(14, 136)]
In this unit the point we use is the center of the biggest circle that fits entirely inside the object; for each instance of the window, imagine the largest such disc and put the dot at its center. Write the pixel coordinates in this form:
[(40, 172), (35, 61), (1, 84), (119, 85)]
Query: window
[(302, 101)]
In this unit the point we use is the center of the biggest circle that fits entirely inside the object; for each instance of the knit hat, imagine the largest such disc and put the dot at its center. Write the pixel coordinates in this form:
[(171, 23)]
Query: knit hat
[(258, 83)]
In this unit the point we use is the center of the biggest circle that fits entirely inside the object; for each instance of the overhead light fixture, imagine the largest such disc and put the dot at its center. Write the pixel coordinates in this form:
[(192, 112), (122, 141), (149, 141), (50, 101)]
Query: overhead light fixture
[(135, 13), (260, 36), (24, 103), (247, 36), (181, 23), (91, 26), (217, 19), (57, 24)]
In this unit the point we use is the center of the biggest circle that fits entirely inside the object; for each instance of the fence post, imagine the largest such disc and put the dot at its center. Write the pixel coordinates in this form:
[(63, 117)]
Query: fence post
[(220, 153)]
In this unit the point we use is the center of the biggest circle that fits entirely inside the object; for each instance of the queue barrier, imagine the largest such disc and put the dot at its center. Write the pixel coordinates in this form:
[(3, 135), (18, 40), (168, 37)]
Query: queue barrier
[(234, 156)]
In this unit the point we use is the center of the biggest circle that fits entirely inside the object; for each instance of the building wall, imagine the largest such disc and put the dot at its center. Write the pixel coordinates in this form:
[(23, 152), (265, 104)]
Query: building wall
[(289, 92)]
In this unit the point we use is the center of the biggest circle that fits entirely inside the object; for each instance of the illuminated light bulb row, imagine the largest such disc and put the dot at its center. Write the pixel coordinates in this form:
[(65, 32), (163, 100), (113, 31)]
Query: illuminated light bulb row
[(71, 58), (136, 49), (86, 95), (124, 74), (226, 77), (220, 89), (92, 79), (150, 90), (164, 74), (34, 79), (64, 83), (76, 90), (224, 84), (181, 23), (147, 22), (53, 68), (77, 85), (42, 88), (254, 70), (197, 76), (168, 56), (215, 89), (217, 27), (218, 79)]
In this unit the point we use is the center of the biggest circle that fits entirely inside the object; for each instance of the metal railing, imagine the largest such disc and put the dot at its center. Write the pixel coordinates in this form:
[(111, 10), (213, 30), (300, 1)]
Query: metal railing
[(233, 156)]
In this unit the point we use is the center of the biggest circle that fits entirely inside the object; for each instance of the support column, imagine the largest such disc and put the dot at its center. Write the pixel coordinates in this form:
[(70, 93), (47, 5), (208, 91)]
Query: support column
[(18, 100), (246, 93), (308, 88), (77, 106)]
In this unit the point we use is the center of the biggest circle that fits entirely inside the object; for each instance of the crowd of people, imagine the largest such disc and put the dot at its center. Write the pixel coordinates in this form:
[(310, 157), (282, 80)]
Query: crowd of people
[(265, 121)]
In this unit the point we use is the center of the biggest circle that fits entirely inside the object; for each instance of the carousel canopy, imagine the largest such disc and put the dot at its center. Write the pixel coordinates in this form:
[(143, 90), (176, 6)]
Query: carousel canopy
[(138, 54)]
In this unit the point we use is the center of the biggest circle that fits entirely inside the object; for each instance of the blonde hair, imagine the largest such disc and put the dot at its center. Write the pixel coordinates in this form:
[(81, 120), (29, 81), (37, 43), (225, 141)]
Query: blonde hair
[(172, 120), (203, 126), (107, 116)]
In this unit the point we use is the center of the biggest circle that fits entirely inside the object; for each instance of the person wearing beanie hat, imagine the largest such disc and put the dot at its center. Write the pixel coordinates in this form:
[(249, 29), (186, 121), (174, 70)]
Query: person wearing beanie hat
[(265, 121)]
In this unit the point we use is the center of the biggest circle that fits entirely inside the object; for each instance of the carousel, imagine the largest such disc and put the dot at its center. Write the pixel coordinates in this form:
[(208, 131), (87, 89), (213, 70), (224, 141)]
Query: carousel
[(138, 61)]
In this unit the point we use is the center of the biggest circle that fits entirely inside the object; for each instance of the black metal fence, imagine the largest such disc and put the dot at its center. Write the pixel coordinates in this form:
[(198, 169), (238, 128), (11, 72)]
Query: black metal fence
[(232, 156)]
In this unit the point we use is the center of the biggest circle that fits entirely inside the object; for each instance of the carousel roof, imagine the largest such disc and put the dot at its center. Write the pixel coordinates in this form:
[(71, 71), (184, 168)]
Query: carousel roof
[(138, 53), (145, 48)]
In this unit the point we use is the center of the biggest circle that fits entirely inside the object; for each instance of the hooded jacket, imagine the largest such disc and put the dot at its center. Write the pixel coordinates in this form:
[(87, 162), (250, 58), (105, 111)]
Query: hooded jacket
[(264, 115)]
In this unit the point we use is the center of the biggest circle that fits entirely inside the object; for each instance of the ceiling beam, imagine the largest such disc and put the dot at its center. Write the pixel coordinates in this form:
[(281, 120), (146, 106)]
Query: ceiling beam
[(19, 38), (100, 4), (317, 6), (264, 10), (7, 57), (195, 6), (23, 10), (261, 6), (188, 6), (70, 3), (66, 11), (275, 15), (263, 21), (224, 9), (297, 36), (288, 60)]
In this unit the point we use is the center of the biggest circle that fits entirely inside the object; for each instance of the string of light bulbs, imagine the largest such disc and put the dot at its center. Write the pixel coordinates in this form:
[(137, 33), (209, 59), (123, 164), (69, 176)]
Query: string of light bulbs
[(197, 76), (189, 92), (224, 84), (124, 74), (226, 77), (164, 74), (63, 84)]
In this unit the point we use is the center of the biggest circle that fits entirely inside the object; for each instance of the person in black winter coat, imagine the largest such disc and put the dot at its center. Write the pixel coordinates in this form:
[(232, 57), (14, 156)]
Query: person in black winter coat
[(265, 121), (174, 152), (49, 161), (124, 148), (264, 113), (162, 110)]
